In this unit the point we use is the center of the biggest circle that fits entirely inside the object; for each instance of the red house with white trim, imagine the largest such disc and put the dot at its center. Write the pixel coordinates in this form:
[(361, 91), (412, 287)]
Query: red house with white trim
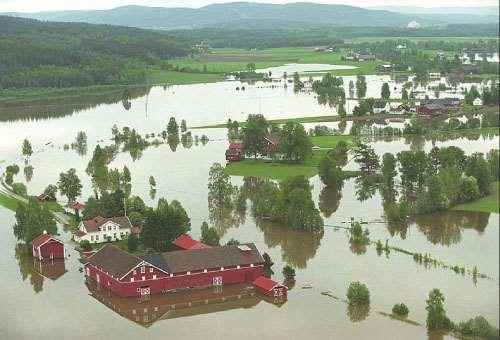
[(46, 247), (129, 275), (270, 288)]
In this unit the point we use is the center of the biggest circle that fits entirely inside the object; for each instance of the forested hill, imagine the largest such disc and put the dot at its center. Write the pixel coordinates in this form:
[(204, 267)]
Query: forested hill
[(50, 54), (237, 15)]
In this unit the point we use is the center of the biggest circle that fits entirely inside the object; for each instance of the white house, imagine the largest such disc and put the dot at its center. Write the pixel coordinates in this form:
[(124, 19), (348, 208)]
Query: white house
[(100, 229), (477, 102), (380, 107)]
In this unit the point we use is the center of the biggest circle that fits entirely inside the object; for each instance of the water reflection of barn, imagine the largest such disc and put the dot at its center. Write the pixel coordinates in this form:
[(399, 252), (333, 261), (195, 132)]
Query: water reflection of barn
[(51, 269), (184, 303)]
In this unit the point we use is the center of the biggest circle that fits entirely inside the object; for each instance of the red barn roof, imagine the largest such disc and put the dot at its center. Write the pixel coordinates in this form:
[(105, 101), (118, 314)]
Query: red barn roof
[(186, 242), (75, 205), (42, 239), (42, 197), (265, 283)]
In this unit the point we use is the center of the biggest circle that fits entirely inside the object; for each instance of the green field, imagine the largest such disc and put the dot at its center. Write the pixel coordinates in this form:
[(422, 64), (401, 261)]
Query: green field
[(226, 60), (415, 39), (161, 77), (280, 170), (486, 204)]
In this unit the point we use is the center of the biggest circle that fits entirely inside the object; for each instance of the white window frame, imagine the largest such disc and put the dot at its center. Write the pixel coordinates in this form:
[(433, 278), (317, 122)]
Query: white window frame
[(143, 269)]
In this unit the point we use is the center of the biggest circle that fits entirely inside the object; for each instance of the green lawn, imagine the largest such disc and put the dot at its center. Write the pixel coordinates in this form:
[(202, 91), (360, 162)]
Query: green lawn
[(8, 202), (486, 204), (280, 170), (178, 78)]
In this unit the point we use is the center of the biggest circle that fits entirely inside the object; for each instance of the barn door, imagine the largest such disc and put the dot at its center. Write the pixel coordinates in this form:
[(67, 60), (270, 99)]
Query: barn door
[(217, 281), (145, 291)]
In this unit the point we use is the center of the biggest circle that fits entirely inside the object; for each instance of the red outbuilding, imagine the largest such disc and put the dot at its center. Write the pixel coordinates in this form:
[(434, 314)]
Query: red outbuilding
[(270, 288), (43, 198), (46, 247), (185, 242), (129, 275)]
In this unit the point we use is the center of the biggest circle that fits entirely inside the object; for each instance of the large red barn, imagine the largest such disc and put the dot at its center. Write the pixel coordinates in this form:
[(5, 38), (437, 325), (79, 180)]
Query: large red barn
[(46, 247), (129, 275)]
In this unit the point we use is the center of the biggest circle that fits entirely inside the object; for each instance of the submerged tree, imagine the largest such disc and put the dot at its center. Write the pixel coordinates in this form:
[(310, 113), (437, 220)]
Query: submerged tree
[(27, 150), (436, 314), (209, 235), (32, 219), (69, 184)]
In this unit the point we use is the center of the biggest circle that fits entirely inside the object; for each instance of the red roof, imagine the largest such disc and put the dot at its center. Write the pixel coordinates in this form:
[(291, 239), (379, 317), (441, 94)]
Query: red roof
[(265, 283), (80, 233), (236, 146), (186, 242), (42, 197), (135, 230), (40, 240), (75, 205)]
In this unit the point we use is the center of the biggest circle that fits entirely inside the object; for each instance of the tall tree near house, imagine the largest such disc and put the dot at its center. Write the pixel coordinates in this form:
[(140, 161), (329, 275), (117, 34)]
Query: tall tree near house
[(367, 159), (294, 142), (209, 235), (256, 128), (478, 168), (69, 184), (386, 92), (27, 150), (32, 219), (220, 189)]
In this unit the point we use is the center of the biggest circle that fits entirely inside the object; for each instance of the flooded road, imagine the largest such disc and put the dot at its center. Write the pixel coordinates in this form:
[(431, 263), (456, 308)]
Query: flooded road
[(60, 305)]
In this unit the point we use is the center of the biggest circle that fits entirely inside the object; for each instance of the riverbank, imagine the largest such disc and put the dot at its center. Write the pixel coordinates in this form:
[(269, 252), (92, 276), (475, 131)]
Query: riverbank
[(489, 203)]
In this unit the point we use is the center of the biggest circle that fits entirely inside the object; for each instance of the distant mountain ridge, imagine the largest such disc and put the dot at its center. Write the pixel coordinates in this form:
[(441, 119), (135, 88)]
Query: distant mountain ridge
[(235, 15)]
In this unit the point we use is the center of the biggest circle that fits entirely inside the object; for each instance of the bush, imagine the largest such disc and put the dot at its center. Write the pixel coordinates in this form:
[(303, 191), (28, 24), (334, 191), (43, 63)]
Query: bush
[(132, 242), (20, 189), (289, 273), (478, 327), (85, 245), (358, 235), (400, 309), (233, 242), (358, 293)]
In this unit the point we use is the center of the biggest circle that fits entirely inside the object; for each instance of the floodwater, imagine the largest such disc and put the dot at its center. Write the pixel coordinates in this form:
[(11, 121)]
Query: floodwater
[(61, 305), (290, 69)]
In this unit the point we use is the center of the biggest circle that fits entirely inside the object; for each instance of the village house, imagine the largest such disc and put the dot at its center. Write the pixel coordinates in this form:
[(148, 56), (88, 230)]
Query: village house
[(271, 143), (434, 107), (101, 229), (365, 57), (381, 107), (235, 152), (128, 275), (74, 208), (384, 68), (47, 247)]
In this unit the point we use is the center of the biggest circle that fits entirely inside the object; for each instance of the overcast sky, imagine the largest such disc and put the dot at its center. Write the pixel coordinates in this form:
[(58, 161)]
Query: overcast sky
[(51, 5)]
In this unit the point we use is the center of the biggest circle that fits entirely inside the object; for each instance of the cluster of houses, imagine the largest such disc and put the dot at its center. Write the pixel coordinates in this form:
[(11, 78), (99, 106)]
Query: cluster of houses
[(435, 107), (361, 57)]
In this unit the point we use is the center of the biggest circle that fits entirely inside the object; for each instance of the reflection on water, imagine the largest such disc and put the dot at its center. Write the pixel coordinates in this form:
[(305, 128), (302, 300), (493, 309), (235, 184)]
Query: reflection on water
[(36, 270), (48, 108), (445, 228), (329, 201), (147, 310), (357, 313), (297, 246)]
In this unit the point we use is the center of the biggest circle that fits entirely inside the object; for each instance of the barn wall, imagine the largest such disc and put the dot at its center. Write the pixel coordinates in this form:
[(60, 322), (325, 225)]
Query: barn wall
[(52, 247), (165, 282)]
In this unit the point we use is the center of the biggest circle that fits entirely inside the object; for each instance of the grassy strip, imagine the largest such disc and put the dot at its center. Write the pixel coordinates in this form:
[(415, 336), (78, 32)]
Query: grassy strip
[(162, 77), (8, 202), (486, 204), (312, 119)]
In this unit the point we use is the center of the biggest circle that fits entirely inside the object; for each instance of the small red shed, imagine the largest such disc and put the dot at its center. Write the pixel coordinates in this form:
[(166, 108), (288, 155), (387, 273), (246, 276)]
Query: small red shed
[(42, 198), (270, 288), (46, 246), (184, 242)]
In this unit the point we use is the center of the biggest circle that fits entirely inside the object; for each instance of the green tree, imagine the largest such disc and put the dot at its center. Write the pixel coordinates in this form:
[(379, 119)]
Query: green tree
[(361, 86), (256, 128), (172, 128), (479, 168), (436, 314), (389, 172), (152, 182), (209, 235), (341, 110), (233, 242), (400, 309), (358, 294), (132, 242), (32, 219), (493, 158), (268, 263), (164, 224), (19, 189), (251, 67), (220, 189), (294, 142), (404, 95), (183, 126), (289, 273), (69, 184), (28, 173), (51, 192), (330, 174), (136, 218), (468, 189), (85, 245), (386, 92), (27, 150), (367, 159)]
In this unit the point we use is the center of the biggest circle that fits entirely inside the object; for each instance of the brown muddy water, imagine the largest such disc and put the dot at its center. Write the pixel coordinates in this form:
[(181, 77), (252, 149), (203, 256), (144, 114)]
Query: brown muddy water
[(60, 305)]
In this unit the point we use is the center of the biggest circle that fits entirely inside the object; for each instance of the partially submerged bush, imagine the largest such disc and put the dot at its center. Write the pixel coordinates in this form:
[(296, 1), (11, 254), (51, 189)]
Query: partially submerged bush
[(400, 309), (358, 293)]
